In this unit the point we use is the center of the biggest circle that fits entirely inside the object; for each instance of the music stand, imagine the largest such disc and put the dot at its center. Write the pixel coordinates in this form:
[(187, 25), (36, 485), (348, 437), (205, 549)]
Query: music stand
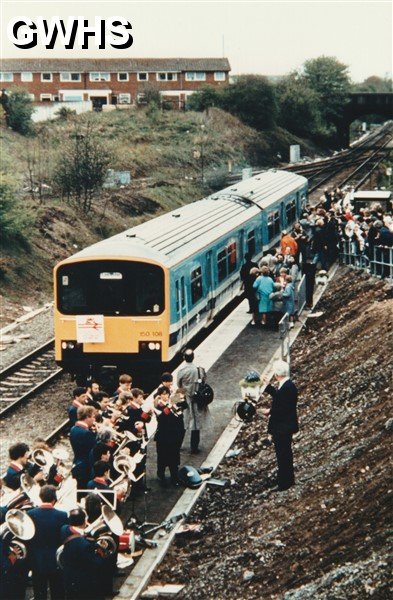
[(108, 497)]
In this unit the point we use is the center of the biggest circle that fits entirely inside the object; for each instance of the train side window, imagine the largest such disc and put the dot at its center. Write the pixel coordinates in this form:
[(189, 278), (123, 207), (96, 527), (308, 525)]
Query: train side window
[(182, 293), (251, 242), (196, 285), (273, 224), (222, 264), (290, 210), (232, 257)]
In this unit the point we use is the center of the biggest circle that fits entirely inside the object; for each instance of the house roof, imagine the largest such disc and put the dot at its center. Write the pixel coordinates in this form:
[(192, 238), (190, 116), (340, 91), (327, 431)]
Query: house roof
[(113, 65)]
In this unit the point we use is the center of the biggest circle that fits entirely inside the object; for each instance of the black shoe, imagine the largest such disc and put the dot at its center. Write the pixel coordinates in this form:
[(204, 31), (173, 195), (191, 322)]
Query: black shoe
[(113, 593), (175, 483), (195, 451)]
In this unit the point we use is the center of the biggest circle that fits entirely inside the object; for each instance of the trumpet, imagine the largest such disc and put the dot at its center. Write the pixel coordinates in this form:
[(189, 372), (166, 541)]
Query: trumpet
[(18, 526)]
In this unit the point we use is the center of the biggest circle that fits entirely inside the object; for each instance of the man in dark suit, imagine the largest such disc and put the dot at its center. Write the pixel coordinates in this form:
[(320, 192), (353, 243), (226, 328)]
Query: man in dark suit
[(79, 398), (283, 423), (48, 522), (82, 440)]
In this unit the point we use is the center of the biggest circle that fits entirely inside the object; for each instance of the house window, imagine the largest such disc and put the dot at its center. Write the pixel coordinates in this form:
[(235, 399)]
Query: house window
[(195, 76), (291, 211), (219, 75), (6, 76), (196, 285), (273, 224), (124, 98), (251, 242), (141, 98), (166, 76), (143, 76), (26, 76), (73, 98), (122, 77), (70, 77), (100, 76), (46, 97), (46, 77)]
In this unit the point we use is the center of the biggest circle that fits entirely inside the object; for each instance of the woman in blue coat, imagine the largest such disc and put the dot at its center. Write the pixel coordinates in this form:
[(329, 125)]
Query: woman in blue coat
[(264, 286)]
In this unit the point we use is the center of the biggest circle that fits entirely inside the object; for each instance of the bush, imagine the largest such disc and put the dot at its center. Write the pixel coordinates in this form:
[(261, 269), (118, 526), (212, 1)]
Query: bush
[(18, 109), (64, 113), (15, 221)]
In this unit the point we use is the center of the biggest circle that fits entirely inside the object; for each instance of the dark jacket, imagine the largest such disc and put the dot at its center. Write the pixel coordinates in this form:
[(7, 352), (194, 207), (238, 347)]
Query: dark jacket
[(82, 566), (283, 415), (48, 522), (82, 441)]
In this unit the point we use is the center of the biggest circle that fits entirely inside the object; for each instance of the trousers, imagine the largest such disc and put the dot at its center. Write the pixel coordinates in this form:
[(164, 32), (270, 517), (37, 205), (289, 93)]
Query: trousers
[(283, 447)]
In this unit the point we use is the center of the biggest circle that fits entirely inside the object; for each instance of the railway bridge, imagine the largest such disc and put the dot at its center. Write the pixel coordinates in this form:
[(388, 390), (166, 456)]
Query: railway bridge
[(362, 104)]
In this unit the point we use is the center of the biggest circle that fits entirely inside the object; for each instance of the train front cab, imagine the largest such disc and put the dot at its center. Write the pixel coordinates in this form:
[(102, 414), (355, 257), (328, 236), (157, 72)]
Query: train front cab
[(110, 312)]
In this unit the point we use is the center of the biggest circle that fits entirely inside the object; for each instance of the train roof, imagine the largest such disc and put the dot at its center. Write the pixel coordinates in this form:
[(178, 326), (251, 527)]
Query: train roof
[(176, 235)]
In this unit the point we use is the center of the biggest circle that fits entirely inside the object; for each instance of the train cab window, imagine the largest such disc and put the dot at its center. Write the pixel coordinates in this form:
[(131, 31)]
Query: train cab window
[(196, 285), (222, 264), (232, 257), (251, 246), (123, 288), (273, 224), (290, 210)]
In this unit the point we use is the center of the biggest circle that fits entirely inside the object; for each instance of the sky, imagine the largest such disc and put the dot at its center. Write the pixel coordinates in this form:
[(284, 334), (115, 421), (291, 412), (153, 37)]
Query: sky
[(269, 38)]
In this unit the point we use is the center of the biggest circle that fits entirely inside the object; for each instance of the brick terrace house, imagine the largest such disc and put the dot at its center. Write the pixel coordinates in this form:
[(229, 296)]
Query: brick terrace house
[(112, 81)]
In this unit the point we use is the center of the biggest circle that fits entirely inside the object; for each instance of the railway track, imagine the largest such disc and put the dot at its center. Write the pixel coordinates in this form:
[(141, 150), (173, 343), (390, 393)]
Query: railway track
[(27, 376)]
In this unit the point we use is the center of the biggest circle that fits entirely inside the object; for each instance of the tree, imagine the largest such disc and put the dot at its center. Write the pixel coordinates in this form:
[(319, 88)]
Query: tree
[(82, 166), (18, 110), (252, 99), (298, 106), (329, 79), (374, 84)]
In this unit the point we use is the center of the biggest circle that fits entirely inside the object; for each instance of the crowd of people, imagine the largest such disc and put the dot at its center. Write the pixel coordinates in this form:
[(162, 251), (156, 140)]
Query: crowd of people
[(108, 436), (315, 241)]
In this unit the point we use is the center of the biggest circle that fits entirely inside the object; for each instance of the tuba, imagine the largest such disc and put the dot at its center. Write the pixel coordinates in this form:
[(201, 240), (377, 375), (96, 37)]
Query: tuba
[(102, 528), (18, 526), (28, 497)]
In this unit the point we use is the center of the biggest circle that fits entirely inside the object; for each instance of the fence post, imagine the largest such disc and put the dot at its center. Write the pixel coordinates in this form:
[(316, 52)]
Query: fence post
[(283, 328)]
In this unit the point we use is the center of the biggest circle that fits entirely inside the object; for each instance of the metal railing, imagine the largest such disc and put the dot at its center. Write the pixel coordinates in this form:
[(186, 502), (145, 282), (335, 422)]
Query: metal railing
[(377, 261)]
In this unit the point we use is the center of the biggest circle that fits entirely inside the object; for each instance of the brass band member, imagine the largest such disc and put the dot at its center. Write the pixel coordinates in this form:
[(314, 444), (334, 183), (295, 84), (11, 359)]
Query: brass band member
[(19, 454), (169, 435), (82, 440), (82, 560), (48, 522)]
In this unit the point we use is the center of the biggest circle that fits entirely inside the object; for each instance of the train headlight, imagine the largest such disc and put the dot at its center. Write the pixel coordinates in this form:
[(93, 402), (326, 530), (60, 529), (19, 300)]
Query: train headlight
[(69, 345), (149, 347)]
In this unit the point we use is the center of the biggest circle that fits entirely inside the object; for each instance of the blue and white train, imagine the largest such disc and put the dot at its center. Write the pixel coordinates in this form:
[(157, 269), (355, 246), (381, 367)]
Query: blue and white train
[(141, 295)]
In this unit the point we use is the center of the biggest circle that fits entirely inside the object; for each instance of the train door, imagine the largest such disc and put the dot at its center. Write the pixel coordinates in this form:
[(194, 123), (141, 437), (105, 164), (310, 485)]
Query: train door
[(183, 310), (241, 247), (209, 285)]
